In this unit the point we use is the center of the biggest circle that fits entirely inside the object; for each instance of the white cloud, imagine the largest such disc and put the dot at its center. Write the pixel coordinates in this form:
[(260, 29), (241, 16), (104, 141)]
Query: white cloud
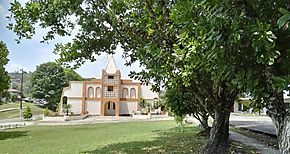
[(15, 67)]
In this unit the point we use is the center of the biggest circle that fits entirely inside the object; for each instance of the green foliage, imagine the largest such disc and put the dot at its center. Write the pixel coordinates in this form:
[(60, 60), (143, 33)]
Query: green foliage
[(4, 78), (220, 48), (142, 103), (13, 98), (283, 21), (47, 82), (179, 120), (71, 75), (67, 108), (27, 114), (16, 82), (46, 112), (180, 100), (145, 105)]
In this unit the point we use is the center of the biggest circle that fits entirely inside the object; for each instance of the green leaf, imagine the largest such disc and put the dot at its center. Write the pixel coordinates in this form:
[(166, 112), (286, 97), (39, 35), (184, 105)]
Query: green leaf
[(282, 20), (283, 11)]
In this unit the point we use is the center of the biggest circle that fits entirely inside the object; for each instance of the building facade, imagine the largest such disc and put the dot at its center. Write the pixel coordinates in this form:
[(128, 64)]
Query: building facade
[(242, 105), (110, 95)]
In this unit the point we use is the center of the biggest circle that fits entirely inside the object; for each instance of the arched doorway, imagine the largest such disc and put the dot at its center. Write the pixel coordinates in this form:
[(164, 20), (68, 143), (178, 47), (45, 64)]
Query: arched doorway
[(110, 108)]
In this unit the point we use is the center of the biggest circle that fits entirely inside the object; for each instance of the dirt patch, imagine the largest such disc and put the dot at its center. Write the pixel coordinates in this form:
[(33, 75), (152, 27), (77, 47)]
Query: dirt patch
[(239, 148)]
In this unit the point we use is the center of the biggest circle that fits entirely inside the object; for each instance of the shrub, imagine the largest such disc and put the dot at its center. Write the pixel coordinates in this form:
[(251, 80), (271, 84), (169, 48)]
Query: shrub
[(46, 112), (179, 120), (27, 114), (13, 98), (145, 106), (67, 108), (142, 103)]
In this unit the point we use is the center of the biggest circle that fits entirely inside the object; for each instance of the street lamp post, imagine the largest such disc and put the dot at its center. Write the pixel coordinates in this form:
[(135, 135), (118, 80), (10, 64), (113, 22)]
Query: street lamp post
[(21, 94)]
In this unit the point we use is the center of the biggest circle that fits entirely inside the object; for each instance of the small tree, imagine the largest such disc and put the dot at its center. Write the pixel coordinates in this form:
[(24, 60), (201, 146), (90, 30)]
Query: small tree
[(46, 112), (67, 108), (27, 114), (142, 103), (179, 120), (145, 105)]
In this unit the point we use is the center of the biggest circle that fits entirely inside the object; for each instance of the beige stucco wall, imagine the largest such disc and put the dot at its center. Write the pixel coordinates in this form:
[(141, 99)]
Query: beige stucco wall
[(128, 107), (236, 107), (76, 105), (129, 89), (93, 107), (147, 94), (94, 85), (74, 90)]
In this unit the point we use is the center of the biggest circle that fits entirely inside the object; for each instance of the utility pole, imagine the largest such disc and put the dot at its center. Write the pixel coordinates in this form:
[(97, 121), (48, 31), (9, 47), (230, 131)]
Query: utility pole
[(21, 94)]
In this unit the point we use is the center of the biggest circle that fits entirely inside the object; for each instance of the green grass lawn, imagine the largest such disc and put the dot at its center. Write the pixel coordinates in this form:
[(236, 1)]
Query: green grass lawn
[(36, 110), (15, 105), (129, 137)]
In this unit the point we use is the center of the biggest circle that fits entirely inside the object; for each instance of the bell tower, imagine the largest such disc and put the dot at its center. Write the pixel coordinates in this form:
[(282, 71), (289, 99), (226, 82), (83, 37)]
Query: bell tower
[(111, 79)]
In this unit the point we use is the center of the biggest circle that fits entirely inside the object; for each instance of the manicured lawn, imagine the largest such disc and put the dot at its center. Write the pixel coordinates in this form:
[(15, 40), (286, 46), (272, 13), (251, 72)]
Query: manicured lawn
[(15, 105), (36, 110), (129, 137)]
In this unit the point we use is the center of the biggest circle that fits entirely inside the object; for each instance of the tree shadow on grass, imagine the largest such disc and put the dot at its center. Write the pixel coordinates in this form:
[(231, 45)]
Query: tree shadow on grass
[(12, 134), (169, 141)]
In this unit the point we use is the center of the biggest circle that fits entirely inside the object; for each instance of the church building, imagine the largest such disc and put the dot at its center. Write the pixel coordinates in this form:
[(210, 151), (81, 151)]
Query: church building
[(109, 95)]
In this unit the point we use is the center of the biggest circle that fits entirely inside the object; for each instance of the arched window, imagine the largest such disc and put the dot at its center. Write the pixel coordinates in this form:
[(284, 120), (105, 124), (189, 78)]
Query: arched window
[(90, 92), (132, 93), (98, 92), (125, 93)]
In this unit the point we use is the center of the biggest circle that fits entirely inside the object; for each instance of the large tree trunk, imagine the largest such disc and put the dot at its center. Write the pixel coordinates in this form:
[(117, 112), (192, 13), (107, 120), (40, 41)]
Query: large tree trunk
[(284, 136), (219, 135), (283, 133), (278, 111), (281, 119)]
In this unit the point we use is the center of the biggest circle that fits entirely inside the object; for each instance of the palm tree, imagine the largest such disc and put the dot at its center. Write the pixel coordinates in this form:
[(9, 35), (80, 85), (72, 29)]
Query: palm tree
[(67, 108)]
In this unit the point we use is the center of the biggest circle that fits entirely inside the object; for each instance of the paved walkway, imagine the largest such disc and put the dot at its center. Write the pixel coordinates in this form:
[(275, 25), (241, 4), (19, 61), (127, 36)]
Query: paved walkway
[(253, 143), (9, 109), (12, 120), (261, 124), (12, 125), (101, 119)]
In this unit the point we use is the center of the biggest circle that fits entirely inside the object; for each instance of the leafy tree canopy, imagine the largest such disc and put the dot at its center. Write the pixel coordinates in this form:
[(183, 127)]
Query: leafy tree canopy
[(47, 82), (4, 78), (238, 44), (71, 75)]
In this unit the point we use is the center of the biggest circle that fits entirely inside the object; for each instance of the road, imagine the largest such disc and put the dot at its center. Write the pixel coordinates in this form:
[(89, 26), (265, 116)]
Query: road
[(261, 124)]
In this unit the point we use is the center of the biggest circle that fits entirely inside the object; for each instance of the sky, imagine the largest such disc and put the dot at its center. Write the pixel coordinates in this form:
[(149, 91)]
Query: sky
[(31, 53)]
